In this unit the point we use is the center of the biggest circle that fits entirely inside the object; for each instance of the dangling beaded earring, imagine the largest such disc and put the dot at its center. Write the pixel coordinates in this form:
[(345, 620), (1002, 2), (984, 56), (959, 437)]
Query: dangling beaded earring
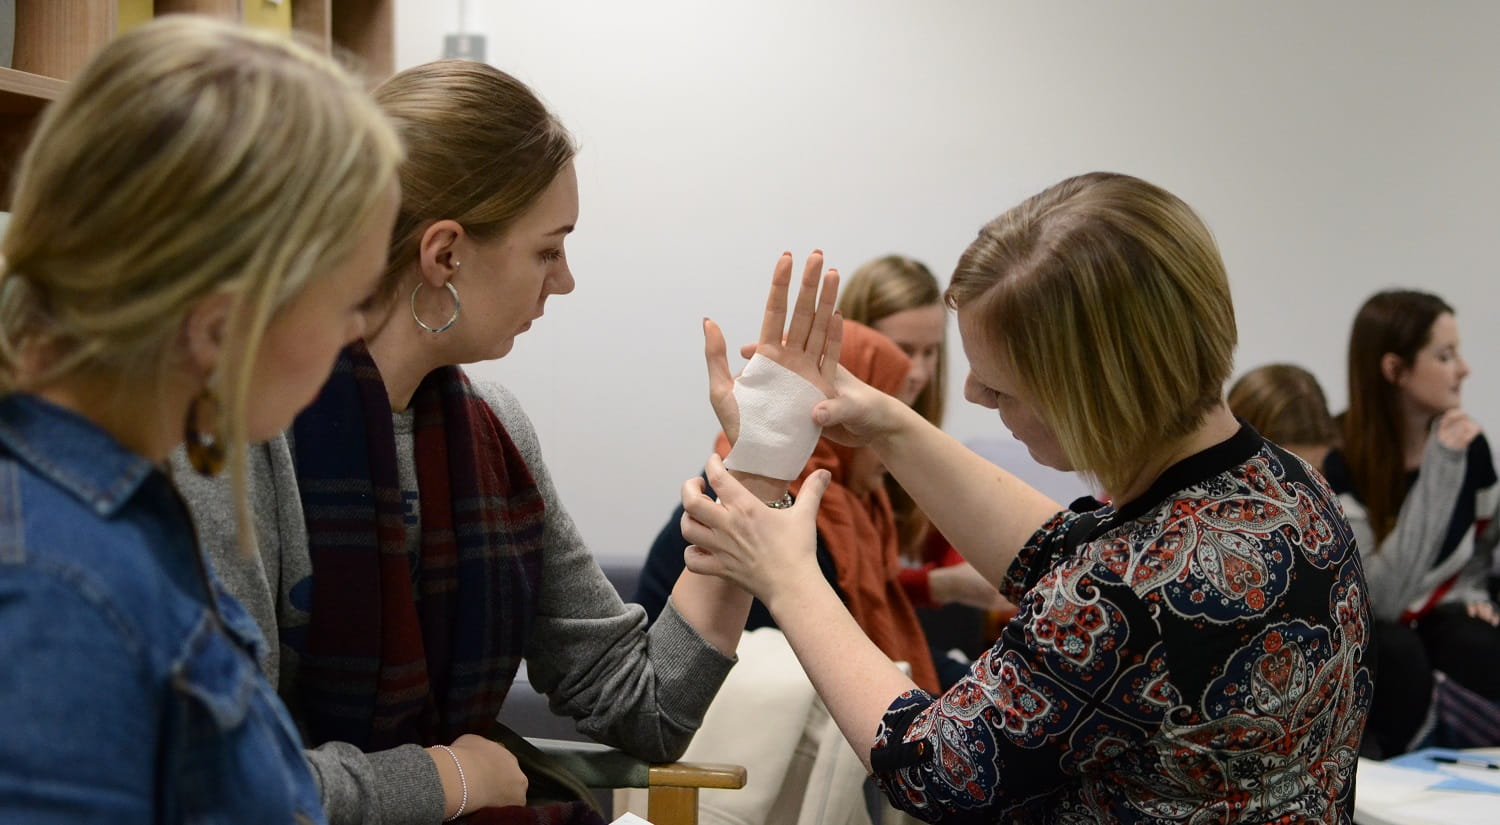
[(205, 449)]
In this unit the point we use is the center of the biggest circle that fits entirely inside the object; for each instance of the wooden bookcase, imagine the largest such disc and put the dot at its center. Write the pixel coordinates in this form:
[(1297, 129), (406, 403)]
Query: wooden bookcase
[(54, 38)]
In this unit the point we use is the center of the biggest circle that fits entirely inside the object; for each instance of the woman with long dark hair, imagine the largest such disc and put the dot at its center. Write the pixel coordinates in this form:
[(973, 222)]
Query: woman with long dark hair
[(1417, 480)]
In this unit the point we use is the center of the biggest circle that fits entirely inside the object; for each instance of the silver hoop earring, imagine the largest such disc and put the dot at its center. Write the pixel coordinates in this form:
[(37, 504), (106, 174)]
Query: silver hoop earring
[(452, 290)]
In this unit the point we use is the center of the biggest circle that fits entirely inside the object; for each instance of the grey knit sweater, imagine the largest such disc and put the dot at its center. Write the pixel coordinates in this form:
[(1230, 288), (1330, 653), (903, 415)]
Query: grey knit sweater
[(642, 688)]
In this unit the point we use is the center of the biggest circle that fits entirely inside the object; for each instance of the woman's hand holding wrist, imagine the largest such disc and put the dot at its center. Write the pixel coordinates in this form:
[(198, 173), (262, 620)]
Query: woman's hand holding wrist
[(740, 539), (764, 488)]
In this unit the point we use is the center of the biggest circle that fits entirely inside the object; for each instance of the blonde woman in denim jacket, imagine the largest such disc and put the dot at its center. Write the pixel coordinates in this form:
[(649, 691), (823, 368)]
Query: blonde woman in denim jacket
[(205, 208)]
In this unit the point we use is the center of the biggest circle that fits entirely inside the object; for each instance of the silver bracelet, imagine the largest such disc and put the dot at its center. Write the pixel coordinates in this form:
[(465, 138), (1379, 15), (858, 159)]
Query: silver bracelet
[(463, 783), (782, 503)]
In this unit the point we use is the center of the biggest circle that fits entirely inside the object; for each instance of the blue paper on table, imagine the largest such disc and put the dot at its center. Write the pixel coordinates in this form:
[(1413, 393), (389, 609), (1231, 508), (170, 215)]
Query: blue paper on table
[(1422, 760)]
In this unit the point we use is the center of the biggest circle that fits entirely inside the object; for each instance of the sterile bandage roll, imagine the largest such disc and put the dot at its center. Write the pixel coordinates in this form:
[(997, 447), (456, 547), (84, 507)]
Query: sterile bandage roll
[(777, 433)]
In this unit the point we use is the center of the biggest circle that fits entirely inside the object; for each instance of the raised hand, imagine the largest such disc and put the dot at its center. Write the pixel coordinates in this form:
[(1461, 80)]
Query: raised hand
[(1484, 611), (808, 347), (1456, 430)]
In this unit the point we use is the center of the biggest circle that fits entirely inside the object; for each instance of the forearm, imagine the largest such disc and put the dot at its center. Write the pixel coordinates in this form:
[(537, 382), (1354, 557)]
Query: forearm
[(983, 510), (401, 786), (856, 681), (715, 608)]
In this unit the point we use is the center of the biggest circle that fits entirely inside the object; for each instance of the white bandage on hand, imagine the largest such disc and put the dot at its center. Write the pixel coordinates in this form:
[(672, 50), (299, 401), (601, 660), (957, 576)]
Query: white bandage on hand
[(777, 432)]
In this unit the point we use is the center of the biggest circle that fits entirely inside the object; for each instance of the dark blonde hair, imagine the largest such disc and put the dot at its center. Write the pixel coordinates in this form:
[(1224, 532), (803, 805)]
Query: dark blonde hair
[(878, 289), (892, 284), (189, 157), (1110, 300), (1399, 322), (1284, 403), (481, 149)]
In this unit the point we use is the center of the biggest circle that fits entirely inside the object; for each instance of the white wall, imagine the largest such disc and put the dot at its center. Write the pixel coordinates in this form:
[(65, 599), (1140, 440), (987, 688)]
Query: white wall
[(1335, 148)]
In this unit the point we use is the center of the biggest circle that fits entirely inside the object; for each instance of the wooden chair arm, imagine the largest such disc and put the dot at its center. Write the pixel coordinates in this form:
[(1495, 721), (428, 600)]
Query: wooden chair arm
[(599, 766), (673, 786), (696, 775)]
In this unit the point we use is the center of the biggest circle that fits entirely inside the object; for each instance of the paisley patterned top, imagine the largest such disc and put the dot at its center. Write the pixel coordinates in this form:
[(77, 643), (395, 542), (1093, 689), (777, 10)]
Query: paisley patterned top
[(1197, 656)]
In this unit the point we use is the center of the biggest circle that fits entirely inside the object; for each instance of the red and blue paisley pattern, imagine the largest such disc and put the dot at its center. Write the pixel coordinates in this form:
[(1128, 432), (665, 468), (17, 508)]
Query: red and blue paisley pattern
[(1199, 659)]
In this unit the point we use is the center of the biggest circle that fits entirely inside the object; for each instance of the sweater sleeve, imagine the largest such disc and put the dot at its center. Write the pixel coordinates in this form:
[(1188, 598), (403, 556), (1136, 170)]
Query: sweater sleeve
[(1399, 571), (400, 786), (637, 685), (917, 582)]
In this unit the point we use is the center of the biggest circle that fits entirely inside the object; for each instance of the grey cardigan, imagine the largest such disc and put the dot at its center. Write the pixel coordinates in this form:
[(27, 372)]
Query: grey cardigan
[(1399, 571), (640, 687)]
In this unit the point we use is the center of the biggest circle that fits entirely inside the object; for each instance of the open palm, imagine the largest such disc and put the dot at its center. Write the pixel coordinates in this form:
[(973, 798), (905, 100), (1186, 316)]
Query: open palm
[(808, 346)]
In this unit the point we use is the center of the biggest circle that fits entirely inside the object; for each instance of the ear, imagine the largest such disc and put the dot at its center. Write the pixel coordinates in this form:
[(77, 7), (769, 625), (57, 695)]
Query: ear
[(437, 256), (204, 331), (1392, 367)]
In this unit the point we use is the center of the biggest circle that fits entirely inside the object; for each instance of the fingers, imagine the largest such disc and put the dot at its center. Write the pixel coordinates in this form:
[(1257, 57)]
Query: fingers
[(832, 348), (817, 336), (697, 506), (715, 353), (694, 531), (806, 308), (702, 561), (811, 494), (775, 319), (727, 487), (833, 412), (747, 351), (1456, 430)]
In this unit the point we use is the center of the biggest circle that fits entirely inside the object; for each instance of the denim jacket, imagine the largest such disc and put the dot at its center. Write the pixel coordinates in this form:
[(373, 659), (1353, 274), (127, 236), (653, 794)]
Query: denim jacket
[(129, 684)]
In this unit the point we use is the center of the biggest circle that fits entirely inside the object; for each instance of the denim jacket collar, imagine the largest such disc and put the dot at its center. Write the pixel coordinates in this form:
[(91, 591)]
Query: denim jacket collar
[(71, 451)]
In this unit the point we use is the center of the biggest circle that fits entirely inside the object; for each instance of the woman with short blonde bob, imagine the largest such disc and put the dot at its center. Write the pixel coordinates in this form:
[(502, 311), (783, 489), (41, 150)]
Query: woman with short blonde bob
[(202, 211), (1210, 617)]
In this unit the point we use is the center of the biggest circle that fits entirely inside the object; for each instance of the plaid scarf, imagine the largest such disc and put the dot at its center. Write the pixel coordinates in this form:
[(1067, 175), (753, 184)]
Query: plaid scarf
[(402, 650)]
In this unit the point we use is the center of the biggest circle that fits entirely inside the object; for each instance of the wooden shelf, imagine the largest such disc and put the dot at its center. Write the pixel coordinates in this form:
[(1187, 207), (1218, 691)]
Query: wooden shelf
[(24, 93), (366, 29), (54, 38)]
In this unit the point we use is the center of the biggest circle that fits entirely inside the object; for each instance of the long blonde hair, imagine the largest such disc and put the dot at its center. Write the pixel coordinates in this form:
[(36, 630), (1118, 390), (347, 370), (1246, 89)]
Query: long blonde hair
[(1110, 300), (189, 158), (878, 289)]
